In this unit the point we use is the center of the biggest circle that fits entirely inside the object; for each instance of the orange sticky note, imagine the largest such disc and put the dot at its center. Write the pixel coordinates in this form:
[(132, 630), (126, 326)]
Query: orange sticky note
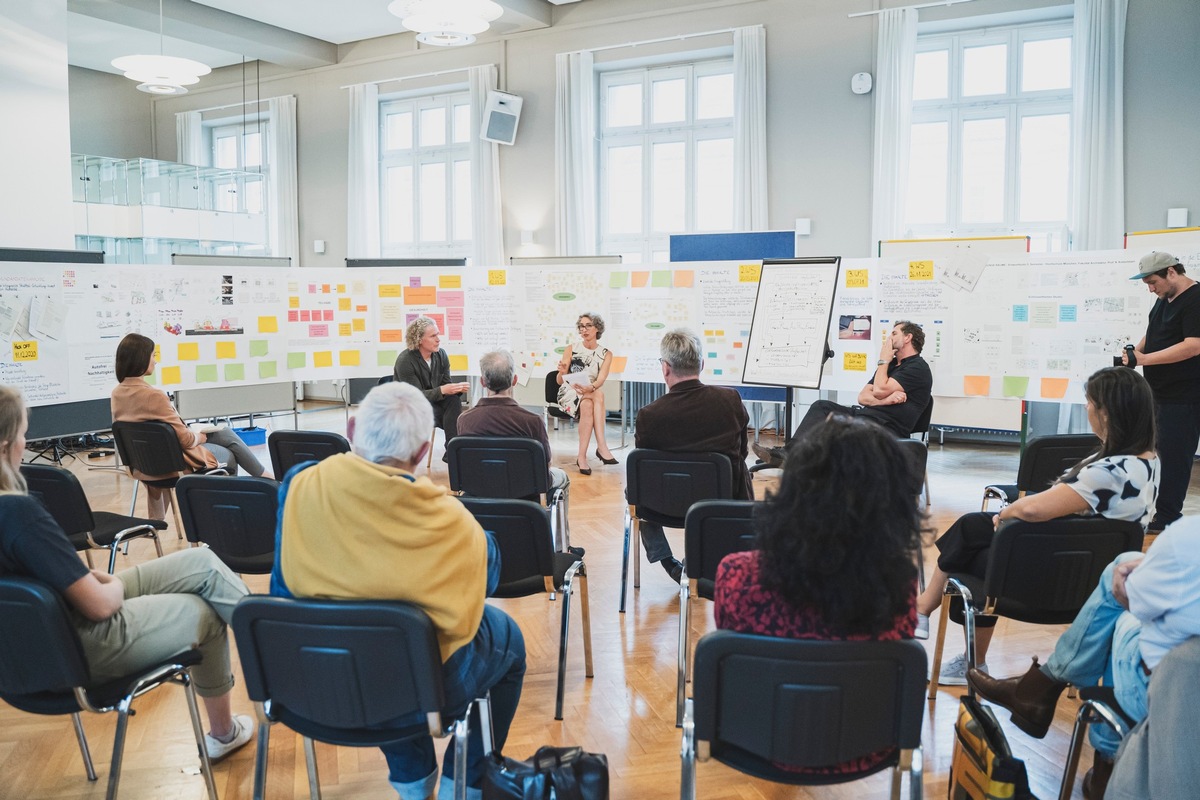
[(359, 324), (188, 351), (391, 336), (323, 358), (268, 324), (226, 349), (343, 304), (293, 302), (420, 296), (977, 385), (389, 290), (618, 364), (171, 375), (684, 278), (325, 288), (1054, 388), (348, 358), (639, 279)]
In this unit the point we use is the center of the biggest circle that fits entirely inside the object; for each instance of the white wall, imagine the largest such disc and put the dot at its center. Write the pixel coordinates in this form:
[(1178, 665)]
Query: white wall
[(109, 117)]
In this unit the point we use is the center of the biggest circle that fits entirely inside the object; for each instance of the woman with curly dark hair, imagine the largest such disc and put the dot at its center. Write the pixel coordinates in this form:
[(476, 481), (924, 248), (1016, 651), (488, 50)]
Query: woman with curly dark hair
[(837, 548)]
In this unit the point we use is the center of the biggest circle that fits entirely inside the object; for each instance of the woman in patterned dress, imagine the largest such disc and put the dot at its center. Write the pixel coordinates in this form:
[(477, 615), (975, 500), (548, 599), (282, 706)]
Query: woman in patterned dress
[(1119, 481), (843, 519), (589, 361)]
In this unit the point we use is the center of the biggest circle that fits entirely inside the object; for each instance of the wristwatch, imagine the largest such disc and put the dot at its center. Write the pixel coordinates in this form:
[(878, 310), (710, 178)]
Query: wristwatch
[(880, 363)]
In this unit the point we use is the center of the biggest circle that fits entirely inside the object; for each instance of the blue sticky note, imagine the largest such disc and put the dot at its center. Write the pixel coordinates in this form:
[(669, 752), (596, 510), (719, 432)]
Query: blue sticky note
[(1067, 313), (1021, 313)]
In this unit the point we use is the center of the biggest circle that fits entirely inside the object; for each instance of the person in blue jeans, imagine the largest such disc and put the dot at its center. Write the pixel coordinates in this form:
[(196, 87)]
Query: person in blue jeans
[(361, 525), (1141, 608)]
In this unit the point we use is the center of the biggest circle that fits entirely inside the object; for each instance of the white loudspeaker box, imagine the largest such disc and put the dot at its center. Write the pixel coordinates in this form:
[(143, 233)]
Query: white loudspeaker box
[(500, 117)]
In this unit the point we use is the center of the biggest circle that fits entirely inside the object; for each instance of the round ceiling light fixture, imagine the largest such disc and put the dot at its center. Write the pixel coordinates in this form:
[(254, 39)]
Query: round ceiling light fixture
[(161, 74), (446, 23)]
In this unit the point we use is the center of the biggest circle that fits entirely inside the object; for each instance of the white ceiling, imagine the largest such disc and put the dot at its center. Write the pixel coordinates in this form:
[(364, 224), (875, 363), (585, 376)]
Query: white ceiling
[(293, 33)]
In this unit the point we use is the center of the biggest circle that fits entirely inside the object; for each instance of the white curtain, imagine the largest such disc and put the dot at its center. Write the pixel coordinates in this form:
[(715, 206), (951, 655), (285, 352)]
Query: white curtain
[(362, 181), (575, 155), (487, 240), (189, 139), (895, 58), (281, 156), (1097, 120), (750, 128)]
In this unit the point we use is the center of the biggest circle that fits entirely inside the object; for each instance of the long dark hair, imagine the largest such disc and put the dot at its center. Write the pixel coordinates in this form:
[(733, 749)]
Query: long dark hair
[(1126, 403), (842, 533), (133, 356)]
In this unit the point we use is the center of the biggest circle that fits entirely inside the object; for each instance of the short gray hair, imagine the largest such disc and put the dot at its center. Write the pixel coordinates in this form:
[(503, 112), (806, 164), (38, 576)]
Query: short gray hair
[(392, 422), (416, 331), (497, 368), (682, 351)]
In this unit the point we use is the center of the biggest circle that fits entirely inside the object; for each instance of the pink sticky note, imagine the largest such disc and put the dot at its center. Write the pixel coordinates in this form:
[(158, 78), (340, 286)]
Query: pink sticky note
[(318, 331), (305, 315), (328, 316), (452, 298), (293, 316)]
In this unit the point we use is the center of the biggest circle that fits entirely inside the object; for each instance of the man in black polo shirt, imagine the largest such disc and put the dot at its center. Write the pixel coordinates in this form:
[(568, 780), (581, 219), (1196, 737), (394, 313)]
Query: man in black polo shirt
[(894, 397), (1170, 355)]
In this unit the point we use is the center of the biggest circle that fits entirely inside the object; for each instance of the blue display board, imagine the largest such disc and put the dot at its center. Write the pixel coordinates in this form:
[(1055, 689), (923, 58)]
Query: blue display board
[(733, 246)]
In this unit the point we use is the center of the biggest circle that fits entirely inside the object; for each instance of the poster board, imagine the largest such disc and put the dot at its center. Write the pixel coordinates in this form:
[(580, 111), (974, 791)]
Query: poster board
[(1183, 243), (789, 329)]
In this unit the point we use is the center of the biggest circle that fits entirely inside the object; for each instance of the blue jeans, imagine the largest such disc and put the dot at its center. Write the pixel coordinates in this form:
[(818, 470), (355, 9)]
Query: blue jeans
[(1104, 642), (493, 661)]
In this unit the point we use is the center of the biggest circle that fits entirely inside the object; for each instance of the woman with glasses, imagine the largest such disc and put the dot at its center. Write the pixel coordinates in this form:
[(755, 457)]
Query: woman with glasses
[(581, 373)]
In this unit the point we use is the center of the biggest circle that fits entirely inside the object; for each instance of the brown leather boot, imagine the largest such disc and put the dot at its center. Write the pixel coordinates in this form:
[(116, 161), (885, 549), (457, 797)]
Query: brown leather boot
[(1095, 782), (1031, 697)]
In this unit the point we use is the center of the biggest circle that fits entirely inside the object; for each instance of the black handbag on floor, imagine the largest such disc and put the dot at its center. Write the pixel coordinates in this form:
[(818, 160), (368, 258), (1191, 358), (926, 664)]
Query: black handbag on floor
[(561, 773)]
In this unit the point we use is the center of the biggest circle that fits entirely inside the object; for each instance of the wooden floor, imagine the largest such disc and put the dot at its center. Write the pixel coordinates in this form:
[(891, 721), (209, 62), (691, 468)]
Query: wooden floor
[(627, 711)]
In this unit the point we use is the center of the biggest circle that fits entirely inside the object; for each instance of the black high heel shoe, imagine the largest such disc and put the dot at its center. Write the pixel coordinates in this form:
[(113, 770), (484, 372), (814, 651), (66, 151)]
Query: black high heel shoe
[(583, 470), (609, 461)]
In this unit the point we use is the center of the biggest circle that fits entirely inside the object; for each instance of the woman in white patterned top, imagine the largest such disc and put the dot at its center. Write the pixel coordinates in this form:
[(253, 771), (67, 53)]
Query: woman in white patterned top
[(581, 373), (1119, 481)]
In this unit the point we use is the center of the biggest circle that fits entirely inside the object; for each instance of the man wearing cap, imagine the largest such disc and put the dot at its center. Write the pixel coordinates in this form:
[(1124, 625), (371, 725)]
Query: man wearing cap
[(1170, 356)]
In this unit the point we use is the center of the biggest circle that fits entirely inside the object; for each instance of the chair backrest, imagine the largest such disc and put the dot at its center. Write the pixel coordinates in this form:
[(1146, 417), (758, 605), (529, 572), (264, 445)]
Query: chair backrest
[(385, 379), (1047, 457), (60, 492), (332, 668), (522, 532), (39, 649), (917, 454), (804, 703), (712, 530), (551, 397), (235, 516), (1044, 571), (151, 448), (922, 424), (663, 486), (289, 448), (497, 466)]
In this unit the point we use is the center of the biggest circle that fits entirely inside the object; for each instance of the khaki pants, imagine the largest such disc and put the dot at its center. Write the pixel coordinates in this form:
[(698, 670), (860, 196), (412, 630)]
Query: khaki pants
[(172, 604)]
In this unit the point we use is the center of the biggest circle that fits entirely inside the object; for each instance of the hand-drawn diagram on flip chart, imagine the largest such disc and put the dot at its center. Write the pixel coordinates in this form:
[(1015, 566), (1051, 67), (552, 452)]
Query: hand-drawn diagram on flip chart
[(790, 327)]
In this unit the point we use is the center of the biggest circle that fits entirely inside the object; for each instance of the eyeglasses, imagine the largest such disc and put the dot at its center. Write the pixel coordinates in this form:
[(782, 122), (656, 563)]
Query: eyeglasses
[(583, 326)]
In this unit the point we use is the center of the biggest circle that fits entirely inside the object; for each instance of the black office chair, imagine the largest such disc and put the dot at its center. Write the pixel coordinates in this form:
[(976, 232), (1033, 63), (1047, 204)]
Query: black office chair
[(152, 448), (507, 467), (921, 431), (344, 673), (1042, 462), (762, 701), (660, 487), (551, 408), (1039, 572), (289, 448), (63, 496), (712, 530), (530, 565), (234, 516), (43, 670)]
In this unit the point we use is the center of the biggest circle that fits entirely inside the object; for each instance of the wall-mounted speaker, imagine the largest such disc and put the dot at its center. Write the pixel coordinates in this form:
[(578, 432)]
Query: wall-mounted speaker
[(500, 117)]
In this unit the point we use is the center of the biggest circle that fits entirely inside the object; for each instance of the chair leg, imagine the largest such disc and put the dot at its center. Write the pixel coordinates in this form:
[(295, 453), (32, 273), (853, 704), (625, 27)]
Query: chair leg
[(936, 669), (175, 510), (681, 664), (486, 734), (461, 729), (262, 750), (916, 775), (189, 693), (310, 761), (687, 756), (635, 553), (84, 752), (133, 503), (625, 557), (562, 647), (1073, 753), (928, 499), (432, 438), (114, 769), (87, 556), (586, 614)]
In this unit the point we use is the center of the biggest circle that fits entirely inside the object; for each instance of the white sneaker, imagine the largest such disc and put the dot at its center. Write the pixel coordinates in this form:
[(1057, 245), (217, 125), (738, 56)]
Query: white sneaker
[(954, 672), (922, 631), (243, 726)]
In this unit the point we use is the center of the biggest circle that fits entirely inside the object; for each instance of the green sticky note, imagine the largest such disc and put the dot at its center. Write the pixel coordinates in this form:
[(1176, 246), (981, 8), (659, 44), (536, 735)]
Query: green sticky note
[(386, 358), (661, 278), (297, 360), (267, 369), (206, 373), (618, 280), (1015, 386), (152, 379), (235, 372), (258, 347)]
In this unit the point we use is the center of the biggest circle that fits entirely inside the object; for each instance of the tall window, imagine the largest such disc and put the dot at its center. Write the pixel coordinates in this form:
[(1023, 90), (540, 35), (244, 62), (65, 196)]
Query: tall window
[(991, 134), (666, 156), (425, 176), (242, 147)]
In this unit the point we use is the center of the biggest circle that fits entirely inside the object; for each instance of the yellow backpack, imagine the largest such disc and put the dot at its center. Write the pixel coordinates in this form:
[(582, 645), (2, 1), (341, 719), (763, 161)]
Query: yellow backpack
[(983, 766)]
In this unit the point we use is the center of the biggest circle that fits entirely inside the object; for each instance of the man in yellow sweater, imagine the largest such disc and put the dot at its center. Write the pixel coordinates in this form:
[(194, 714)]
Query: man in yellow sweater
[(360, 525)]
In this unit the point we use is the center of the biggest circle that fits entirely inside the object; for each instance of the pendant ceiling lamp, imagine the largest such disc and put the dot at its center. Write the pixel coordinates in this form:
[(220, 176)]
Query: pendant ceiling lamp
[(446, 23), (161, 74)]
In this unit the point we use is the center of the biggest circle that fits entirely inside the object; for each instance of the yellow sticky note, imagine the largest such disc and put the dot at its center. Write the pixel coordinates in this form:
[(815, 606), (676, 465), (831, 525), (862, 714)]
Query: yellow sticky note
[(449, 281), (268, 324), (348, 358), (749, 273), (854, 362), (856, 279), (341, 288), (920, 270), (171, 375), (158, 352), (497, 277), (293, 302), (25, 351), (323, 358), (389, 290), (343, 329), (188, 351), (359, 324), (343, 304), (226, 349), (458, 363)]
